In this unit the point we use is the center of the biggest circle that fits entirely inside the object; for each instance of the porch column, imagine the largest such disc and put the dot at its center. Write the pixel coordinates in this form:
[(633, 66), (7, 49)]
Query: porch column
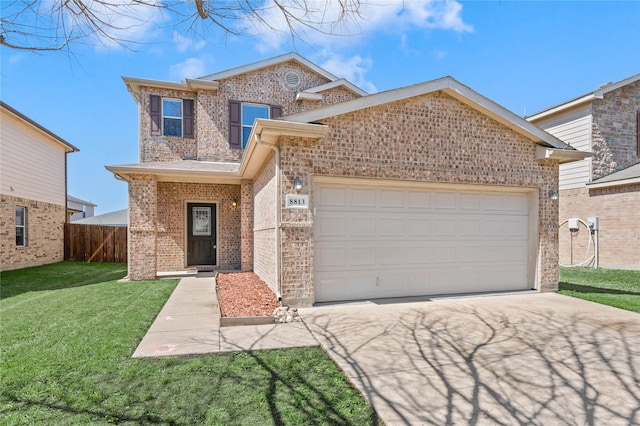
[(143, 219), (246, 224)]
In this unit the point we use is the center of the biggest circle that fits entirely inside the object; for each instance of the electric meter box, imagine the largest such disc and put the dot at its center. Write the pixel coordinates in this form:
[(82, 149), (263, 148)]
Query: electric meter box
[(593, 223), (573, 224)]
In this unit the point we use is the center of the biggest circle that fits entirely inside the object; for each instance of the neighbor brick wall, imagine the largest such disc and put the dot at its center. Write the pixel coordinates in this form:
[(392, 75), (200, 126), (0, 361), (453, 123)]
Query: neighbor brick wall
[(172, 221), (429, 138), (45, 233), (614, 132), (618, 210)]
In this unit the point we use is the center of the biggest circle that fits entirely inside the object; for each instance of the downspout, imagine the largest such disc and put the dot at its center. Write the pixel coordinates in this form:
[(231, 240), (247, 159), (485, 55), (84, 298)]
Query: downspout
[(278, 203)]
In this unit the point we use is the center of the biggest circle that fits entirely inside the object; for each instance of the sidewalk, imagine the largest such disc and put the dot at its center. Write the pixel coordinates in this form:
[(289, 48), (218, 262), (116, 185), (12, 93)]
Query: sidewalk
[(189, 324)]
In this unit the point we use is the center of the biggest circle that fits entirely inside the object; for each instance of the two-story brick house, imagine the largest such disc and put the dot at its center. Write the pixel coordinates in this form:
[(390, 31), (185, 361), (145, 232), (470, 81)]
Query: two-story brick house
[(33, 191), (328, 193), (607, 185)]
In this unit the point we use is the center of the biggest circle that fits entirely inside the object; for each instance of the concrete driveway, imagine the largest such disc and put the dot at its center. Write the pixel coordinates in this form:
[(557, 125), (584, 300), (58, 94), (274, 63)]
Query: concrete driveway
[(540, 359)]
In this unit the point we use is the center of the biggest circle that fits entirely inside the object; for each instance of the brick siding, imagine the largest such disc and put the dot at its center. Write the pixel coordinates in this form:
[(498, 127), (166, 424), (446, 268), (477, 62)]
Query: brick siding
[(45, 233), (614, 133), (618, 210)]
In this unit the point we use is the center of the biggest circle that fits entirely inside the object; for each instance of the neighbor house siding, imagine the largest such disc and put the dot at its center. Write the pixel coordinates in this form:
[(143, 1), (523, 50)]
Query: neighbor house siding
[(32, 165), (574, 129), (431, 138)]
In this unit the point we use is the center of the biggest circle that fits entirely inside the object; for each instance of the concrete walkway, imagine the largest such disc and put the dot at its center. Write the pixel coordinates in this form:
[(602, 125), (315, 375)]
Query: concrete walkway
[(541, 359), (189, 324)]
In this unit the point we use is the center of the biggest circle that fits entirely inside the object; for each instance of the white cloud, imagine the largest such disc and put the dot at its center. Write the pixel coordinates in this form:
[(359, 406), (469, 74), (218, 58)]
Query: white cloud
[(191, 68), (185, 44), (392, 16), (14, 59), (352, 69)]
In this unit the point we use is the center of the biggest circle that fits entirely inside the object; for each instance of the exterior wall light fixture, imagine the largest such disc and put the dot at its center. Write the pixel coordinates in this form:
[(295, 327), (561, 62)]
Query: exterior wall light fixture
[(553, 195), (234, 204), (297, 183)]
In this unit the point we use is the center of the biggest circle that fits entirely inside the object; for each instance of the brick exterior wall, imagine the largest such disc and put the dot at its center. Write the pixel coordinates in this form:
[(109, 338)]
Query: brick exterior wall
[(265, 86), (618, 210), (172, 221), (246, 224), (143, 220), (264, 233), (614, 134), (45, 233), (431, 138), (614, 145)]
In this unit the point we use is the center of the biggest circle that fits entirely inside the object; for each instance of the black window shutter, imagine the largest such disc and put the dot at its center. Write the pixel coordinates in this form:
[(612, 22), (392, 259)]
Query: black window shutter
[(155, 114), (276, 111), (187, 116), (235, 125)]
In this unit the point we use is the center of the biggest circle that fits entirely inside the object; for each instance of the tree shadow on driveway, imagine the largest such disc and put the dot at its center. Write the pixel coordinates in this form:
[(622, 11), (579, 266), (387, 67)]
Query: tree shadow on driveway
[(532, 359)]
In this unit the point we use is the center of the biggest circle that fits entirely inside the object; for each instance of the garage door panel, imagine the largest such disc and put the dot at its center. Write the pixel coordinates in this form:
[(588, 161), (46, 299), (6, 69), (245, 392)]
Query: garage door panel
[(393, 241)]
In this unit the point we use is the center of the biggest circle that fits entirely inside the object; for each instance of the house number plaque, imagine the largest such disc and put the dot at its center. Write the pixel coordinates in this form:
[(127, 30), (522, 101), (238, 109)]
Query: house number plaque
[(295, 201)]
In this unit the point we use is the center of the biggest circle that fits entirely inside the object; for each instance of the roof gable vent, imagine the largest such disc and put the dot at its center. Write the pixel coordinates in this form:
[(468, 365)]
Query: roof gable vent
[(292, 79)]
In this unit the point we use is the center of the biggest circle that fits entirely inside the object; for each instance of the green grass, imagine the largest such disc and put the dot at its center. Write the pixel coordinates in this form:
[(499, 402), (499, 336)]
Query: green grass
[(613, 287), (66, 359)]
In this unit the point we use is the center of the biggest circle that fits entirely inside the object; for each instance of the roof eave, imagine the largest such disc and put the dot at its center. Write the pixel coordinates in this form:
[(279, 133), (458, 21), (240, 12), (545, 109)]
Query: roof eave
[(562, 155), (175, 175), (621, 182)]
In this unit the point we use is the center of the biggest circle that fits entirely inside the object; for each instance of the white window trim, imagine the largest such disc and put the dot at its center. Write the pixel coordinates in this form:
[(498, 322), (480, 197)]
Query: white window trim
[(243, 143), (23, 226), (163, 116)]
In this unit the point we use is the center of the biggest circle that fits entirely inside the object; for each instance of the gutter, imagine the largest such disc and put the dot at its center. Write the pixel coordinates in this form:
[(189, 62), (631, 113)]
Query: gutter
[(278, 206)]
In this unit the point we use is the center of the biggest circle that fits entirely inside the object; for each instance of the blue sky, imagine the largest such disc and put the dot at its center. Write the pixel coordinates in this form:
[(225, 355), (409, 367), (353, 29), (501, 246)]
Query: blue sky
[(526, 56)]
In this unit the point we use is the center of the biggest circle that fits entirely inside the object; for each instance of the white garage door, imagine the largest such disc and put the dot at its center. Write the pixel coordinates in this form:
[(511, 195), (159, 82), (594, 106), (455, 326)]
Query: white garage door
[(381, 241)]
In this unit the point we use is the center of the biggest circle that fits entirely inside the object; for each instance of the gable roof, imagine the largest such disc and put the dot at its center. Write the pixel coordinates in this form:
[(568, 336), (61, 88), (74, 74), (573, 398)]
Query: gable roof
[(212, 81), (255, 66), (449, 86), (17, 114), (115, 218), (586, 98)]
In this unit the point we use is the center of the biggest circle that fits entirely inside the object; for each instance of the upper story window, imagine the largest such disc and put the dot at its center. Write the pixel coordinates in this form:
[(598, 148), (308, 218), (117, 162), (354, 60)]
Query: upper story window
[(21, 226), (249, 114), (171, 117), (242, 115)]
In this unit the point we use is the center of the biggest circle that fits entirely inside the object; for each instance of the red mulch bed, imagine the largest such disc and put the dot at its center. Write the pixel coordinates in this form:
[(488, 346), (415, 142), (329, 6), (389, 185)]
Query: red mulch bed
[(243, 294)]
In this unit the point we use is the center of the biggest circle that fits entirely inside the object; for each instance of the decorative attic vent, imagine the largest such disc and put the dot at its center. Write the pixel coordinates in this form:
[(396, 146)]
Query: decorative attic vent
[(292, 79)]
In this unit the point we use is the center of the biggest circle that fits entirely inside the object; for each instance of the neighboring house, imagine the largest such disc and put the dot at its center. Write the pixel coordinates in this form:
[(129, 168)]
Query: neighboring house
[(33, 190), (329, 194), (607, 185), (115, 218), (79, 209)]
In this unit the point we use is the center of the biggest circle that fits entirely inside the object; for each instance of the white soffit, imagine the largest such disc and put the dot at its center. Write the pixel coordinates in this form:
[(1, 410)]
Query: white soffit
[(563, 155), (134, 85)]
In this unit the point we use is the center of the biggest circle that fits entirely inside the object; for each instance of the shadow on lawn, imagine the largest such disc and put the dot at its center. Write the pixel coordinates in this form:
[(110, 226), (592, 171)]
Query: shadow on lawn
[(579, 288), (58, 276)]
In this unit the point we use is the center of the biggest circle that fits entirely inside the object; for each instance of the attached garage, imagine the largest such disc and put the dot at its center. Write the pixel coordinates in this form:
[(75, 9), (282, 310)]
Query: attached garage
[(375, 239)]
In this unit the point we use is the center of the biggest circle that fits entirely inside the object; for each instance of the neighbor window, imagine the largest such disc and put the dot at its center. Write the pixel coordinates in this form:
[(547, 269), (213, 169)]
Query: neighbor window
[(171, 117), (249, 114), (21, 226)]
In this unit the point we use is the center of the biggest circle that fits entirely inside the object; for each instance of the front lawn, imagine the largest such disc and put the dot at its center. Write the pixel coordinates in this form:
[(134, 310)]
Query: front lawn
[(613, 287), (67, 341)]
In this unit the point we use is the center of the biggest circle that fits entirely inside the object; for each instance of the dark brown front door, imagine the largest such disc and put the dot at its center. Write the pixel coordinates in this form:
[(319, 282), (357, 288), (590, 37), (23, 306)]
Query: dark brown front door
[(201, 234)]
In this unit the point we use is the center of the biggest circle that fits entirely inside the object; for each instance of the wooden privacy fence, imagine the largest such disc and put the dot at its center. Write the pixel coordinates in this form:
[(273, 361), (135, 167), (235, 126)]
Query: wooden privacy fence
[(95, 243)]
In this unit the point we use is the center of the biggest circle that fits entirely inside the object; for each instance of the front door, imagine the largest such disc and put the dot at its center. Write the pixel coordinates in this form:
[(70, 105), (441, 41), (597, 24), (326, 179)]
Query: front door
[(201, 234)]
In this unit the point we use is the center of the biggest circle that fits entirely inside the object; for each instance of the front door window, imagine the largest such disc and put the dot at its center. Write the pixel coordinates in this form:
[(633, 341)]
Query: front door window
[(202, 221)]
